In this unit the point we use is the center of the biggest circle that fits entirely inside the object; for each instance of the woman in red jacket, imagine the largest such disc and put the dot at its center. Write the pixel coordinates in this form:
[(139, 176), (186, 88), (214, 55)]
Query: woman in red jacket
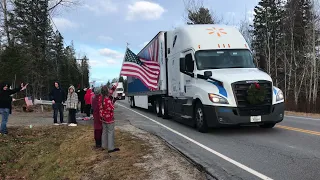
[(88, 99), (106, 107), (97, 124)]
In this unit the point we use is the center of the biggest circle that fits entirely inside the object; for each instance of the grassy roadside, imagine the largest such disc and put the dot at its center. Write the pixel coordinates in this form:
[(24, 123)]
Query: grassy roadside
[(310, 115), (66, 153)]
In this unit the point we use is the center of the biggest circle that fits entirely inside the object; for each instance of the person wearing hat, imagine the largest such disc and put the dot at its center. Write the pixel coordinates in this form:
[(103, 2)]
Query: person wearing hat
[(5, 103), (71, 105)]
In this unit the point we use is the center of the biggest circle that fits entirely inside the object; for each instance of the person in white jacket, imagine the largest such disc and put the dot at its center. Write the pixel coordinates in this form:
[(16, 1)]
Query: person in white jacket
[(71, 105)]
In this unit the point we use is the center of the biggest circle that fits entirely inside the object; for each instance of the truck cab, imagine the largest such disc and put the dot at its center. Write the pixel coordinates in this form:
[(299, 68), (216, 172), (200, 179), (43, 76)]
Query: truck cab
[(212, 81), (119, 92)]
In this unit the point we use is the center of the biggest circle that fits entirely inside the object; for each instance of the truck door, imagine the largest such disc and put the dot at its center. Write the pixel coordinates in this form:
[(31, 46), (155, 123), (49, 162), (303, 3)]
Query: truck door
[(186, 75), (186, 79)]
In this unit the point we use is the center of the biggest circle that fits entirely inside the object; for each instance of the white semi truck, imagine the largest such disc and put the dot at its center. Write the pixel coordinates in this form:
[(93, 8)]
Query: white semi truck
[(207, 78), (119, 92)]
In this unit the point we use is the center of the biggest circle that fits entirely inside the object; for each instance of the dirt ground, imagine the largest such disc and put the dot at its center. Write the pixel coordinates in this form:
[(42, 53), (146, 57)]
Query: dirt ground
[(49, 152)]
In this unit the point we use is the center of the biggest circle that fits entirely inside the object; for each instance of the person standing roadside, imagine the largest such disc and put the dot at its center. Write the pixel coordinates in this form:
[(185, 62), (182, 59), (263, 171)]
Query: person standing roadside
[(72, 104), (81, 94), (5, 103), (97, 124), (57, 96), (106, 111), (88, 99)]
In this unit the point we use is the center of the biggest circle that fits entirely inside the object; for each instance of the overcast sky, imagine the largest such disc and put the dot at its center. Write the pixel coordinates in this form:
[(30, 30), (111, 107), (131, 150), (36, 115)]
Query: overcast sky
[(101, 28)]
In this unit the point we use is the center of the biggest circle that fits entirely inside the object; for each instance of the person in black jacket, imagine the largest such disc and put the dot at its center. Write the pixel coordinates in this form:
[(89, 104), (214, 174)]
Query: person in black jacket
[(5, 103), (58, 97), (81, 94)]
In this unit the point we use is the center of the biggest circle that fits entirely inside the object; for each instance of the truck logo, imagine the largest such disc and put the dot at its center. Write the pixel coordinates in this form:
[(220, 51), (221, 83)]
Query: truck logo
[(214, 30)]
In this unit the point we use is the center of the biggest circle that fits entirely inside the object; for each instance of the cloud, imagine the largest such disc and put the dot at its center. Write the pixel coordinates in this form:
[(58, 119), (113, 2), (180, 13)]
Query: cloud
[(105, 39), (101, 58), (104, 62), (102, 7), (232, 14), (143, 44), (112, 61), (63, 23), (110, 53), (144, 10)]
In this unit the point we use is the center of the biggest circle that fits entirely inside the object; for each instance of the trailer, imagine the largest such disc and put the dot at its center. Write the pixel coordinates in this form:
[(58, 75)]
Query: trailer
[(207, 78)]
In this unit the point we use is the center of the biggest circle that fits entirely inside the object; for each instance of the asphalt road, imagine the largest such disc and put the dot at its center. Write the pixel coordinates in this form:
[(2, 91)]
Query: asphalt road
[(290, 151)]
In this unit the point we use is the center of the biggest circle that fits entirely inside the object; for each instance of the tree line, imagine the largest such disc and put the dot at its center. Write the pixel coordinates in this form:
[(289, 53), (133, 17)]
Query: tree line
[(32, 52), (285, 41)]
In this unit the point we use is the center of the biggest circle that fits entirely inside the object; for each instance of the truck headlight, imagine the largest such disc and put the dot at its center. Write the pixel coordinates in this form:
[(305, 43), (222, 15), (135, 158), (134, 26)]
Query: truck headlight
[(279, 96), (123, 94), (217, 99)]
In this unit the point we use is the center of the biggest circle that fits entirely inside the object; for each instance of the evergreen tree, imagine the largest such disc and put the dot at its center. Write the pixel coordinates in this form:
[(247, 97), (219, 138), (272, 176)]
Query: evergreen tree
[(201, 16), (267, 32)]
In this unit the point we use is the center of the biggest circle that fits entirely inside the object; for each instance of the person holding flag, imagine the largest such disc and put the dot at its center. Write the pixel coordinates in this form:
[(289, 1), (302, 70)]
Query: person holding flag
[(5, 103)]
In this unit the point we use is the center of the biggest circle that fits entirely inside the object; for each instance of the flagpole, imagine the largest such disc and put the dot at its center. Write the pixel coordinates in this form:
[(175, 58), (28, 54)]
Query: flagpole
[(123, 60), (121, 66)]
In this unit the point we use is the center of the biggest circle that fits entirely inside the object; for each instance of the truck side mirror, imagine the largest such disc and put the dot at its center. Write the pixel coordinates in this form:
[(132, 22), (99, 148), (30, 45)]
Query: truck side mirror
[(207, 74)]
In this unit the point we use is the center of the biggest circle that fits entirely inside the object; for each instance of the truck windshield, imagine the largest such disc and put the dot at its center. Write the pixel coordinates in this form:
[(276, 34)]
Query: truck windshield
[(119, 89), (227, 58)]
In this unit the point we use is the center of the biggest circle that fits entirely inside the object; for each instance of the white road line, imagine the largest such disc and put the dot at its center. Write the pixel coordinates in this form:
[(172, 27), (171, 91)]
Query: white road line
[(246, 168), (301, 117)]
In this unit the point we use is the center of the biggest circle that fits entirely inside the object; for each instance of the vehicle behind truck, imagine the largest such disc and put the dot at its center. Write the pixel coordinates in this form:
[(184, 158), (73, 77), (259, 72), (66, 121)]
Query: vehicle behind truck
[(119, 92), (207, 78)]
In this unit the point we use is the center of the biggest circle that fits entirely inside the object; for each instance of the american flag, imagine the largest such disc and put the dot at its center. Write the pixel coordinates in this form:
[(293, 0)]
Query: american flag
[(146, 70), (28, 101)]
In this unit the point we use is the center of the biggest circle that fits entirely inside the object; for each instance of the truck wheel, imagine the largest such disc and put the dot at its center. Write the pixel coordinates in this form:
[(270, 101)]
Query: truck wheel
[(267, 125), (131, 101), (158, 107), (164, 109), (200, 120)]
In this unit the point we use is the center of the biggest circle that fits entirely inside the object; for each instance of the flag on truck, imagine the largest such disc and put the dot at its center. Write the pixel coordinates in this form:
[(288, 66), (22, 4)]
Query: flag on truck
[(146, 70)]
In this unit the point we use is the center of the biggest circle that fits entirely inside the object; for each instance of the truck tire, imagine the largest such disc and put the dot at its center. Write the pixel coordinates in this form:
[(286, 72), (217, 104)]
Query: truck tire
[(200, 118), (157, 107), (268, 125), (131, 101), (164, 109)]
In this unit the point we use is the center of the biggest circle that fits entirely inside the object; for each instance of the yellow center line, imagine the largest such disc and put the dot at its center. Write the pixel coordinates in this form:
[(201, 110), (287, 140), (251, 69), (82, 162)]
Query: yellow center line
[(299, 130)]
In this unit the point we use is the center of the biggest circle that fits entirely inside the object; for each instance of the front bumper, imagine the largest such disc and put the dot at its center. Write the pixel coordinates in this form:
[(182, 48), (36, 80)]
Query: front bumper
[(226, 116), (121, 97)]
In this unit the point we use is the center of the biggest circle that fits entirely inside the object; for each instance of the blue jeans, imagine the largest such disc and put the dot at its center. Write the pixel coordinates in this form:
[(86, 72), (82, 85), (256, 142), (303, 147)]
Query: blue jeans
[(5, 115), (57, 107)]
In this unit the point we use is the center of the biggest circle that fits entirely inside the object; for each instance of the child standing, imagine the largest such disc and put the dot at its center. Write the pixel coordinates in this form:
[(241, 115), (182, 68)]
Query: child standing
[(106, 108), (72, 104), (97, 124)]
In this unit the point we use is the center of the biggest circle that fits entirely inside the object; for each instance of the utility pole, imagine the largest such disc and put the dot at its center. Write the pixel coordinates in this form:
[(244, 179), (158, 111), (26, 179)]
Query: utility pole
[(81, 71)]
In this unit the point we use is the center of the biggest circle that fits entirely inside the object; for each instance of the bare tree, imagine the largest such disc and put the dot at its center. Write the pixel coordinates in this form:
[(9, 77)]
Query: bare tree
[(4, 8), (55, 5), (246, 30)]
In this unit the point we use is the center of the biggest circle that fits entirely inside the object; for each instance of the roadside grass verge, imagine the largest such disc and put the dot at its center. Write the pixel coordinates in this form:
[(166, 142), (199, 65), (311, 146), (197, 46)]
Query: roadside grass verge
[(308, 115), (67, 153)]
